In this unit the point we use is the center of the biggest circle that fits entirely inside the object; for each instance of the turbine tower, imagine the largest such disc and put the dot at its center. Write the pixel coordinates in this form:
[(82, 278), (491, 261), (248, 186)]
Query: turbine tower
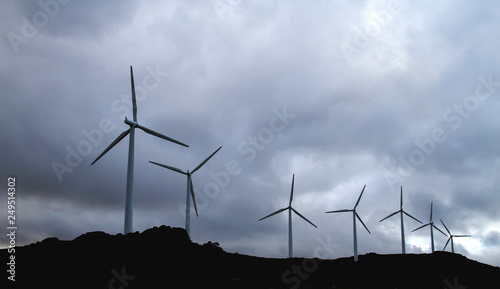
[(431, 225), (402, 212), (354, 216), (189, 190), (130, 168), (451, 238), (290, 209)]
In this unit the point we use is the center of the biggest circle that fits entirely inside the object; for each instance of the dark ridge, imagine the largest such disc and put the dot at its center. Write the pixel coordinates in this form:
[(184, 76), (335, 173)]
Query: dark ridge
[(165, 257)]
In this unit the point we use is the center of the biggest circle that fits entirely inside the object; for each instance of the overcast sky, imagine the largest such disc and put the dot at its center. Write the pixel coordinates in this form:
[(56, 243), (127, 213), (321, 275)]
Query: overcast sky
[(341, 94)]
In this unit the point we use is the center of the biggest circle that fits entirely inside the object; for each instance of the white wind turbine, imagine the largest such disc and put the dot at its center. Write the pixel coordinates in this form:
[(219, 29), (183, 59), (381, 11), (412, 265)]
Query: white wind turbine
[(130, 168), (189, 190), (431, 225), (451, 238), (354, 216), (402, 212), (290, 209)]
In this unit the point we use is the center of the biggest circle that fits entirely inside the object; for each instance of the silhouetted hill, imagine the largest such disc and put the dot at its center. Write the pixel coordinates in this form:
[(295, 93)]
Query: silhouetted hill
[(165, 257)]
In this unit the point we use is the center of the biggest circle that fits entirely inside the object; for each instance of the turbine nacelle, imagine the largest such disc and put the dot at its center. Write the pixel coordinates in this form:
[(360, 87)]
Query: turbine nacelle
[(451, 238), (431, 226), (190, 188), (290, 209), (402, 213), (130, 167), (355, 216), (130, 122)]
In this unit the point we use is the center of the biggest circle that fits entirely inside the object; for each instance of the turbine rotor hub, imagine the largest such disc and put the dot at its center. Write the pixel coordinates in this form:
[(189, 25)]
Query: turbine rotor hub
[(130, 122)]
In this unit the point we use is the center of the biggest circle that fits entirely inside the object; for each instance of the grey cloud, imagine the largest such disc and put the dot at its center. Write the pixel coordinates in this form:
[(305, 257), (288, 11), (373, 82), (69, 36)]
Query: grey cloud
[(221, 81)]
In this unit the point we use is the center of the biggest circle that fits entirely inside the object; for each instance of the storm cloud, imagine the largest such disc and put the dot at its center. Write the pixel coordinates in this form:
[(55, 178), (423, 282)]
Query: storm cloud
[(341, 94)]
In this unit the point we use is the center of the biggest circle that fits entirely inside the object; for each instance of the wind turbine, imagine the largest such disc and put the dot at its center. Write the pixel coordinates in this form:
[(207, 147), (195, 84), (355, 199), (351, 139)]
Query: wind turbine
[(290, 209), (189, 190), (402, 212), (451, 238), (354, 216), (431, 225), (130, 168)]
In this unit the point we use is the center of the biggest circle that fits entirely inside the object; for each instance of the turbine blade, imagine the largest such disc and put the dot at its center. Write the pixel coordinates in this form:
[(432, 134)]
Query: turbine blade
[(300, 215), (134, 103), (421, 227), (359, 199), (431, 214), (440, 230), (206, 160), (446, 243), (390, 216), (291, 192), (192, 194), (401, 202), (412, 217), (357, 216), (117, 140), (338, 211), (152, 132), (445, 227), (278, 211), (462, 235), (169, 167)]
